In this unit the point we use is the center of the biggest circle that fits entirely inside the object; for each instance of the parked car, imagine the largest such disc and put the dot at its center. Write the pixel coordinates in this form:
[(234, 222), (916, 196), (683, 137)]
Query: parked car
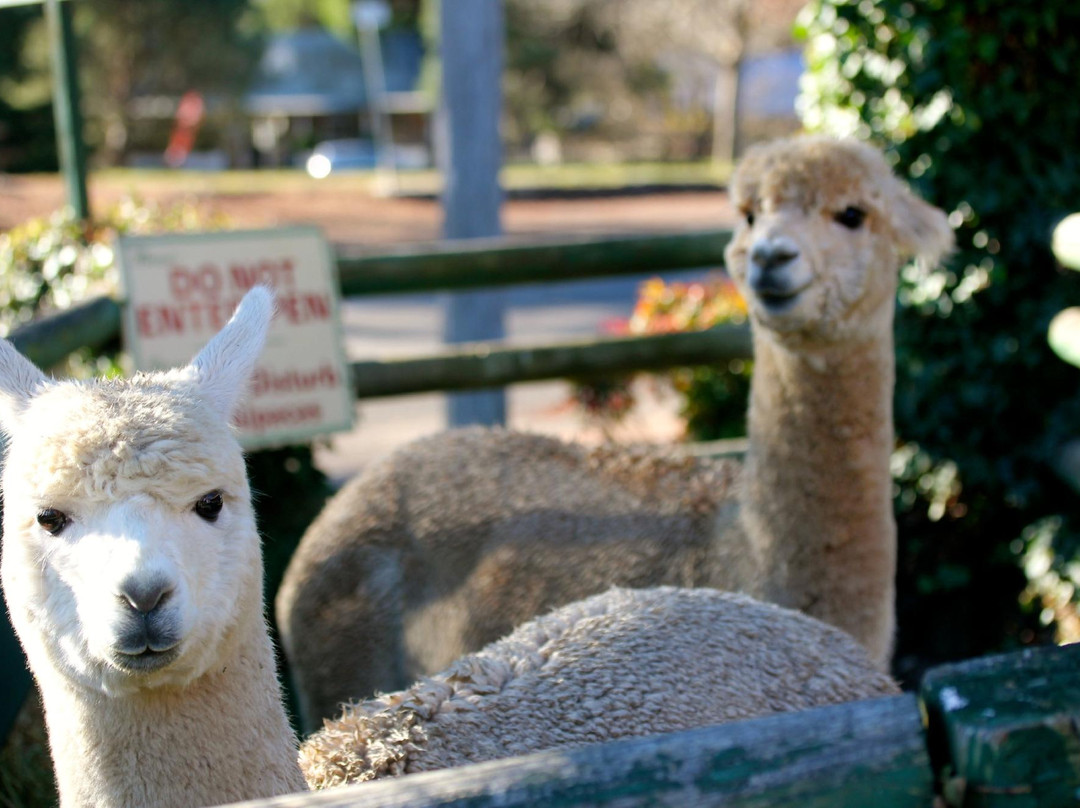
[(332, 156)]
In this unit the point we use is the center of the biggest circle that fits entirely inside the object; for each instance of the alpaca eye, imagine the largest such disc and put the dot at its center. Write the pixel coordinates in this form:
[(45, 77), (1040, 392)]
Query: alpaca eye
[(209, 506), (52, 520), (851, 217), (749, 217)]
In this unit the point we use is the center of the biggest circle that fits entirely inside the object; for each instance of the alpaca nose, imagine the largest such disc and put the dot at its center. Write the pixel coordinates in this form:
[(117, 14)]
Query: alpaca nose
[(769, 254), (145, 595)]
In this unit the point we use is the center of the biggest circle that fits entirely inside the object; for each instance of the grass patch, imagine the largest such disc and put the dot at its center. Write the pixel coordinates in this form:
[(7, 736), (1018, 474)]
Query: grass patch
[(515, 177)]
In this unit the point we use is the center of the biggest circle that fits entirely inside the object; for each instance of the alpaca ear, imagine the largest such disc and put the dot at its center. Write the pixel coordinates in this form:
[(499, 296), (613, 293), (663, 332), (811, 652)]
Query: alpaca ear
[(223, 368), (922, 230), (20, 381)]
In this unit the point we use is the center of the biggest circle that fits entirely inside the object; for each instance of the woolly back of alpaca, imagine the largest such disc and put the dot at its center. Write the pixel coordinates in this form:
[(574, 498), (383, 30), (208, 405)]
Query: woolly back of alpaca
[(142, 619), (621, 664), (456, 539)]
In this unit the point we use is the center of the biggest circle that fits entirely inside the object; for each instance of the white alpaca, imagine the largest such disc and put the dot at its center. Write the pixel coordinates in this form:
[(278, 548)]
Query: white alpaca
[(458, 538), (132, 572), (131, 569)]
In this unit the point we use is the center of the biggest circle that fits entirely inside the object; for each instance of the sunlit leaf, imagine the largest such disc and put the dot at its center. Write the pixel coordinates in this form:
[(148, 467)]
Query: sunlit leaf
[(1064, 335), (1066, 241)]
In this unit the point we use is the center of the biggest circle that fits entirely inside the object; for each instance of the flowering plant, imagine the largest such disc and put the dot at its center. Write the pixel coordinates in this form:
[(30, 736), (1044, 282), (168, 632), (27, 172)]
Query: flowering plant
[(714, 398)]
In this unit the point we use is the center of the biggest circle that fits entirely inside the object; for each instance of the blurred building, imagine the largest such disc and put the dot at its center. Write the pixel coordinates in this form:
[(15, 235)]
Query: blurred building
[(311, 86)]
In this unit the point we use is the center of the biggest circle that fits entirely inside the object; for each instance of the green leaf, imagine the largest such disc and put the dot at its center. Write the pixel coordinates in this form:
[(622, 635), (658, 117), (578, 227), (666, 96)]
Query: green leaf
[(1066, 242)]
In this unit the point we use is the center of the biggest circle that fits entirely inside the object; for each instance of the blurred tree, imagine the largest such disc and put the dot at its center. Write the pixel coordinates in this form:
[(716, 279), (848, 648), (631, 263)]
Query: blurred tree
[(129, 48), (719, 32), (605, 63), (27, 140), (333, 15), (975, 100), (159, 48), (563, 71)]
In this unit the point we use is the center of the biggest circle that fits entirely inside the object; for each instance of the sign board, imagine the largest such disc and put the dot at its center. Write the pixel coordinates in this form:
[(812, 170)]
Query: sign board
[(182, 288)]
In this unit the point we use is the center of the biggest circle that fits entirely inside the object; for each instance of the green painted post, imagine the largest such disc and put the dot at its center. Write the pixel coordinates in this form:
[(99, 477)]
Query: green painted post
[(66, 111), (1004, 730)]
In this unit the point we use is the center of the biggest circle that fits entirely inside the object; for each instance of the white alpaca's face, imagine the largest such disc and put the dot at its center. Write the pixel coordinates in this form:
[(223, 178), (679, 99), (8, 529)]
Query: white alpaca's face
[(130, 554), (821, 240), (129, 544)]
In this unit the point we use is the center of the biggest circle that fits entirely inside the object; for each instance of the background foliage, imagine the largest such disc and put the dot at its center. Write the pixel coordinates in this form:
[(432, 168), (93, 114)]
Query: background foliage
[(976, 102), (713, 399)]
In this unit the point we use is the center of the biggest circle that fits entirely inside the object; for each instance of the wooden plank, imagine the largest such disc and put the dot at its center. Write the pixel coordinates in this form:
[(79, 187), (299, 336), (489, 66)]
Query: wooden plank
[(860, 754), (95, 323), (1004, 729), (482, 365), (720, 448), (89, 325), (482, 262)]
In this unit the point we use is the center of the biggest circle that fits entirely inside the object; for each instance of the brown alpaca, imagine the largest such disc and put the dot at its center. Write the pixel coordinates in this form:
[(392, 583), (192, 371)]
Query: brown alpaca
[(458, 538)]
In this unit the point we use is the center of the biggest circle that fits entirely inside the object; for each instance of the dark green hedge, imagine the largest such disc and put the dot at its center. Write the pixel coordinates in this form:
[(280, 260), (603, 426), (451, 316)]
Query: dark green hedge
[(977, 101)]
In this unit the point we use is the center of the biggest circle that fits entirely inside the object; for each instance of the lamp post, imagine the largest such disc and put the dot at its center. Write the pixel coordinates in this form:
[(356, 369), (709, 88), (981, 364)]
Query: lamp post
[(370, 16)]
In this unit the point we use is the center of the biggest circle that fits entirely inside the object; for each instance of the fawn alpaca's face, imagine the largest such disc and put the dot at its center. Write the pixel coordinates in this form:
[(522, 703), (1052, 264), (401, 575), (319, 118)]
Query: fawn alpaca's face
[(825, 227), (130, 541)]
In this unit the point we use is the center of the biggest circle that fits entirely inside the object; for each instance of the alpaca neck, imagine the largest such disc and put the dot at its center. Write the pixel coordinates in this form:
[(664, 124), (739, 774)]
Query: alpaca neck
[(817, 498), (223, 738)]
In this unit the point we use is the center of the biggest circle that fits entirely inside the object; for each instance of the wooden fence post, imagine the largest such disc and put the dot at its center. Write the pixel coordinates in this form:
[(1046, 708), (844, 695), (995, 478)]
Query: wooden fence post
[(471, 37)]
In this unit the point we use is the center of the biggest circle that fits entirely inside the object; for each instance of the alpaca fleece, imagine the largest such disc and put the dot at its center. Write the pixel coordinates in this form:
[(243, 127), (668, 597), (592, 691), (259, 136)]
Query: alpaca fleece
[(621, 664)]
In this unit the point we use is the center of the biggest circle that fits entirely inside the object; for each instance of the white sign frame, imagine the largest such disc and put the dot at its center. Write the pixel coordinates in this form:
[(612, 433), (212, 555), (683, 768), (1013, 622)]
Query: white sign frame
[(286, 258)]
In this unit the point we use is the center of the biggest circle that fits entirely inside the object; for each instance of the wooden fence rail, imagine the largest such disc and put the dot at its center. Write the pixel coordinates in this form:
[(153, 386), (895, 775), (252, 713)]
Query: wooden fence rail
[(481, 262), (856, 755), (478, 365), (508, 261), (998, 732)]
